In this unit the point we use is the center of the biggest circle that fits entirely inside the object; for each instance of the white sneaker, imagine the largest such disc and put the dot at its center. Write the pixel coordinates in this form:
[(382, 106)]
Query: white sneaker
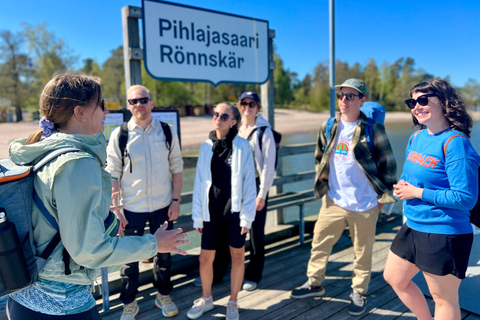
[(130, 310), (164, 302), (249, 285), (200, 306), (232, 311)]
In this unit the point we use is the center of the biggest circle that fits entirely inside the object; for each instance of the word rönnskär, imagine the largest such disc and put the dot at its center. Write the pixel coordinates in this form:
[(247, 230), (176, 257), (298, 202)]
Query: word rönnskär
[(201, 59), (181, 31)]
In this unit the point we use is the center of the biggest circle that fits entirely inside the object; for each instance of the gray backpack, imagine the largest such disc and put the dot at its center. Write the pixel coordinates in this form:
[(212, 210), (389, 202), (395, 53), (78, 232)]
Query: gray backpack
[(16, 196)]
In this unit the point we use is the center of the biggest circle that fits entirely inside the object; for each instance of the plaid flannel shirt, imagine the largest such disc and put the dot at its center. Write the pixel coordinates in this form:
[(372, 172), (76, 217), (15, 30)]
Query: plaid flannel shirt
[(382, 178)]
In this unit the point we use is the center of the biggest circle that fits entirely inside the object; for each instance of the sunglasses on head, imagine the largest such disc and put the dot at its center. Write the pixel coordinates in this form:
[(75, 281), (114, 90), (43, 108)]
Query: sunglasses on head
[(251, 104), (422, 100), (348, 96), (139, 100), (102, 105), (223, 117)]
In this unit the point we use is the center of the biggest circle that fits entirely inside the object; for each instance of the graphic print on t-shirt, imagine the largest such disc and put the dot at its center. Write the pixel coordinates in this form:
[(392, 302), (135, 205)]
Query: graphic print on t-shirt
[(342, 150)]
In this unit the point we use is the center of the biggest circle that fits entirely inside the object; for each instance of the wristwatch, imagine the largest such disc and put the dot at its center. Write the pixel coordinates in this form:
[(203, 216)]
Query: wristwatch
[(177, 200)]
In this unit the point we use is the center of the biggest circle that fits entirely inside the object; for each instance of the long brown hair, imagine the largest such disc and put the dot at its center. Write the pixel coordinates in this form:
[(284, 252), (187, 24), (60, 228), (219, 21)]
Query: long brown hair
[(60, 97), (452, 103)]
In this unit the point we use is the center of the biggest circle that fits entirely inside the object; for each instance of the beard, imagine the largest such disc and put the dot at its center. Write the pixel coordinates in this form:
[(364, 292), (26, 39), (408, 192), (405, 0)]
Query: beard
[(141, 115)]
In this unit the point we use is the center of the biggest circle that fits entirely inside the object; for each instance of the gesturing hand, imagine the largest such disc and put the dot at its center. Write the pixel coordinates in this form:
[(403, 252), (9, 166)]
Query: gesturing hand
[(168, 240)]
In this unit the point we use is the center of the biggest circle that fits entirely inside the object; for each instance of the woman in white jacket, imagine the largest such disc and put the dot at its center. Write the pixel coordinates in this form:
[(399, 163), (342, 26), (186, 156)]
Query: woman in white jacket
[(258, 132), (223, 203)]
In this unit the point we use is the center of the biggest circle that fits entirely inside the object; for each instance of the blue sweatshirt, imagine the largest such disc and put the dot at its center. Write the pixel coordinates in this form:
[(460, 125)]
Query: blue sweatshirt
[(449, 183)]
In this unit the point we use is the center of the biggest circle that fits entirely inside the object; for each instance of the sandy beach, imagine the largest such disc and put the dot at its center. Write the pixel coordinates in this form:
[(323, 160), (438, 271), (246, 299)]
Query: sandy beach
[(194, 130)]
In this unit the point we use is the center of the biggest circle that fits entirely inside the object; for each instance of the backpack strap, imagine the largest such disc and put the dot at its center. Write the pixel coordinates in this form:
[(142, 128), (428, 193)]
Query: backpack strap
[(418, 131), (122, 142), (369, 137), (328, 130), (56, 239), (167, 131), (449, 139)]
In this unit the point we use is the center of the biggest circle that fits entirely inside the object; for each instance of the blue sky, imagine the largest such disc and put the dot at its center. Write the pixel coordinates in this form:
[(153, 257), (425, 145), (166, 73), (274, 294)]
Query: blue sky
[(443, 37)]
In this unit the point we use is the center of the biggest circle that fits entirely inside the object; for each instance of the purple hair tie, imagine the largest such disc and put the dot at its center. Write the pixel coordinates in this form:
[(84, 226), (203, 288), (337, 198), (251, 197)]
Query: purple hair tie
[(46, 126)]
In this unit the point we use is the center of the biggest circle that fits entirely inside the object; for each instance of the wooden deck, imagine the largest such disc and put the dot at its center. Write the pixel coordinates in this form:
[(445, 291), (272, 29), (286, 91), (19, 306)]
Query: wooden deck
[(285, 269)]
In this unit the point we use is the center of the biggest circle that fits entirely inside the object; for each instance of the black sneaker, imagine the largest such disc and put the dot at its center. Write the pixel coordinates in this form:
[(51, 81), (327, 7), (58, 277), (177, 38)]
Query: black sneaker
[(357, 304), (306, 291)]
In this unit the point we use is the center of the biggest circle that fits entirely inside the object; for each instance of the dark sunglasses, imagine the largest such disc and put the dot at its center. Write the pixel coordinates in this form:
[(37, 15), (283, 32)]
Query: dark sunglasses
[(422, 100), (140, 100), (349, 96), (223, 117), (251, 104), (102, 105)]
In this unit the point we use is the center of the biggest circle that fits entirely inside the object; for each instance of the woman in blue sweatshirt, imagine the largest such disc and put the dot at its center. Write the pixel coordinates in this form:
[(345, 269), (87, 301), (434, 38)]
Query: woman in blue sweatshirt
[(437, 236)]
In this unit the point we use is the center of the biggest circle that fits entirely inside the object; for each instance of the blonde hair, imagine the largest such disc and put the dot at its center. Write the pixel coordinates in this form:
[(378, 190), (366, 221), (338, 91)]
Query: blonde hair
[(136, 87)]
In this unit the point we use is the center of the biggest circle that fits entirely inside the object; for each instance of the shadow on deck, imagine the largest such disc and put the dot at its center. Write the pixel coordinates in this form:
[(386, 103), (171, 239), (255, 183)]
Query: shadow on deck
[(285, 269)]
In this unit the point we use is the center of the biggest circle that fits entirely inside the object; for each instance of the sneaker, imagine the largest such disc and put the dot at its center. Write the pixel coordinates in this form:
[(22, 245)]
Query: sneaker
[(164, 302), (197, 282), (306, 291), (130, 310), (249, 285), (200, 306), (232, 311), (357, 304)]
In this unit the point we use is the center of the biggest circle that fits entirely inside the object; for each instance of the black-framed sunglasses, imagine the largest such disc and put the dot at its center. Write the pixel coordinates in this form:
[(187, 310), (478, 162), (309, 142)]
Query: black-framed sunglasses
[(223, 117), (422, 100), (102, 105), (348, 96), (140, 100), (251, 104)]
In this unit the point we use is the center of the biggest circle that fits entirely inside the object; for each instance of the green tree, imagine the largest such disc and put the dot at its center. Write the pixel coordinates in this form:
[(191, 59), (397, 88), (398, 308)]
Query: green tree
[(113, 76), (283, 80), (471, 93), (15, 72), (52, 55), (372, 80)]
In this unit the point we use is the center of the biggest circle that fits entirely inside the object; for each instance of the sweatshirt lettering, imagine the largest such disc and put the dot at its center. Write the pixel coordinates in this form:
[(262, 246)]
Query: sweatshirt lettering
[(423, 160)]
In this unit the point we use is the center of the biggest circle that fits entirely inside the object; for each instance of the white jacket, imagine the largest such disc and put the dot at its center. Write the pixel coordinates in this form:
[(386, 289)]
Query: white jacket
[(243, 183), (265, 158)]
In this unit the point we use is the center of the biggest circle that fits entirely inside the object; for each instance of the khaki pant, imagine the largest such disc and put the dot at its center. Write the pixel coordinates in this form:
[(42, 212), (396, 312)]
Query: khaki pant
[(331, 222)]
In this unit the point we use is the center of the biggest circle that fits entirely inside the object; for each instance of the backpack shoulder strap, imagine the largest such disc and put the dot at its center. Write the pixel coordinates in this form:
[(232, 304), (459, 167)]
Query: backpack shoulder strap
[(449, 139), (46, 159), (418, 131), (168, 134), (369, 135), (122, 140), (328, 130)]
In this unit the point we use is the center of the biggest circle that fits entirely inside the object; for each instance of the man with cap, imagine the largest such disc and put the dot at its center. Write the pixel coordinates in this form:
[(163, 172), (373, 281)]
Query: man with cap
[(353, 184)]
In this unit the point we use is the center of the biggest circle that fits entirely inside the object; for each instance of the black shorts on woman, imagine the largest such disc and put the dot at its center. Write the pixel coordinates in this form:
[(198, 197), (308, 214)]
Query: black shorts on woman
[(216, 231), (437, 254)]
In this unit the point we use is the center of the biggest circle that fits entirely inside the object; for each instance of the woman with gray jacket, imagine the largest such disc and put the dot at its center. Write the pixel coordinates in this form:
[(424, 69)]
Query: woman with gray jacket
[(76, 191)]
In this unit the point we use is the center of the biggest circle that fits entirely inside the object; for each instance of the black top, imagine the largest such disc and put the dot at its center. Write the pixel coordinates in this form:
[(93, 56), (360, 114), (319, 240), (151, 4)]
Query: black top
[(220, 192)]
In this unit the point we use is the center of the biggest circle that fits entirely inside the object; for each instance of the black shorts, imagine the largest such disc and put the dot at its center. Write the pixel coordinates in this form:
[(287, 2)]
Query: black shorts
[(216, 231), (438, 254)]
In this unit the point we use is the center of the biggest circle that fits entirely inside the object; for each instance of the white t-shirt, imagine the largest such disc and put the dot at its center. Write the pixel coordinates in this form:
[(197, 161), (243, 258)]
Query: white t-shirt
[(349, 187)]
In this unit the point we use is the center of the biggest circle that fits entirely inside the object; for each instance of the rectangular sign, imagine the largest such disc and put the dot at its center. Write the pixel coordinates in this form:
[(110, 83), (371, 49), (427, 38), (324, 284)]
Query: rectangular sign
[(184, 43), (114, 119)]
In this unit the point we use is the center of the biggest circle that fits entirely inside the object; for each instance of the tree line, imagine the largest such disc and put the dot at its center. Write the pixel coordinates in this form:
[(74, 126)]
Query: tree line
[(31, 57)]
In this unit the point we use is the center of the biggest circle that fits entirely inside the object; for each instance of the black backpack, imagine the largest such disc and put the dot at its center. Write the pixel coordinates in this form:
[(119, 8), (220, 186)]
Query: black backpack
[(277, 136), (123, 139)]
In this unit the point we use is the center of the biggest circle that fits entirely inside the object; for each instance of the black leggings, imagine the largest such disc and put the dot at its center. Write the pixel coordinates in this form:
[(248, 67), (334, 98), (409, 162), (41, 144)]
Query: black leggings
[(15, 311)]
